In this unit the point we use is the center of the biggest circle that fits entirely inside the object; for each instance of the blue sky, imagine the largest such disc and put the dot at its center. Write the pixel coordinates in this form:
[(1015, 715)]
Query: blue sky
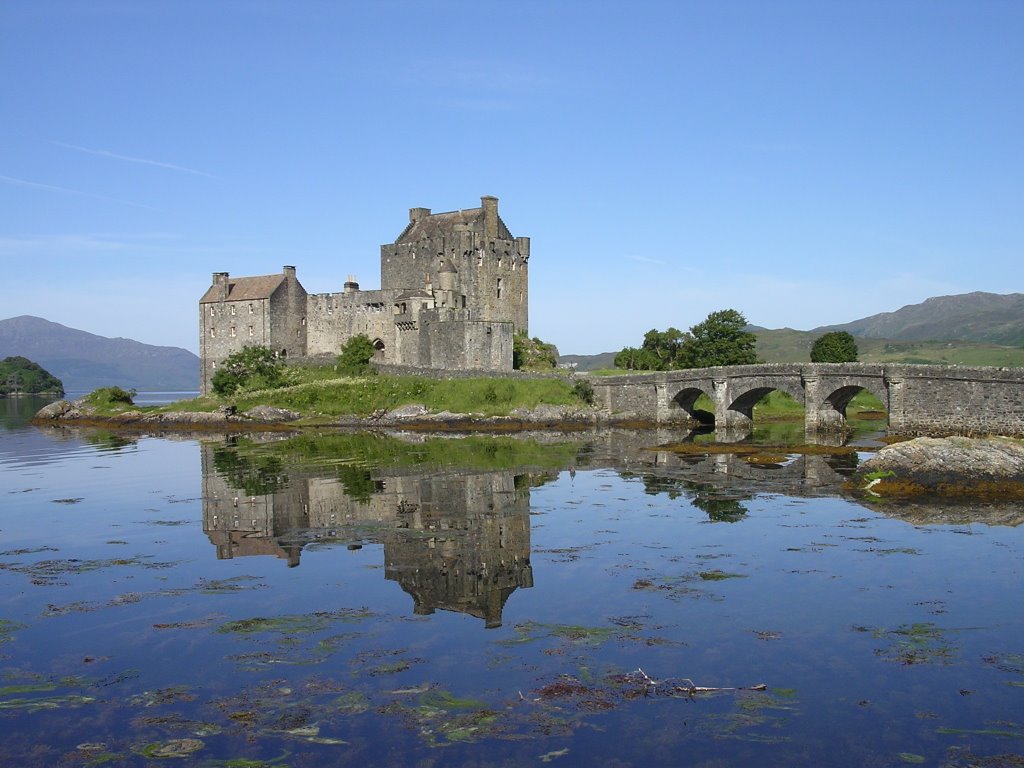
[(806, 163)]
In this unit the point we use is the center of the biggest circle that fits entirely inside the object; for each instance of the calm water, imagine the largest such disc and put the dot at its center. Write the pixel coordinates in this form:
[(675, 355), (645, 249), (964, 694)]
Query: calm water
[(365, 600)]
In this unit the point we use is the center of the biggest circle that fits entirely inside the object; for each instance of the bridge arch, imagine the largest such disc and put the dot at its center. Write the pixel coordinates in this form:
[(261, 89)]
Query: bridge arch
[(829, 396), (686, 399)]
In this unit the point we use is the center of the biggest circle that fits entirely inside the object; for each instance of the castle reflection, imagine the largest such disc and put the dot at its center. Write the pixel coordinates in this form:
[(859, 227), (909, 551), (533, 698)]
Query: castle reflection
[(458, 540)]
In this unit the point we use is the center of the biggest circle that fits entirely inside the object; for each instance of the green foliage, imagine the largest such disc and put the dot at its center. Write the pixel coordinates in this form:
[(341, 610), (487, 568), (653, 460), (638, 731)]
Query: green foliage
[(834, 347), (355, 356), (533, 354), (584, 390), (666, 347), (251, 368), (21, 375), (720, 340), (315, 394), (634, 359), (110, 397)]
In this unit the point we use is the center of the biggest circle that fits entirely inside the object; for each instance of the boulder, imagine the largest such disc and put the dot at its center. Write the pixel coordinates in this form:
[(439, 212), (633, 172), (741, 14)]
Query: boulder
[(953, 465), (408, 412), (55, 410), (269, 413)]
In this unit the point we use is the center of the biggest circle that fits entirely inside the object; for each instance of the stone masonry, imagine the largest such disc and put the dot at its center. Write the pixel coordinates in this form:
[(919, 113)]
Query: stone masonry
[(454, 290)]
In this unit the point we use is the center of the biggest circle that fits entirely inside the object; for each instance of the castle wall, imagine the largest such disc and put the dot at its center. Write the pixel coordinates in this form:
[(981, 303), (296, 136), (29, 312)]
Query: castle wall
[(464, 344), (334, 318)]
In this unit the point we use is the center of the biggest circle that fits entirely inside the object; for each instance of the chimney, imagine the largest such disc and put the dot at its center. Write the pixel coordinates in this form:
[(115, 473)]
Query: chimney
[(289, 271), (351, 286), (490, 206), (221, 279), (415, 214)]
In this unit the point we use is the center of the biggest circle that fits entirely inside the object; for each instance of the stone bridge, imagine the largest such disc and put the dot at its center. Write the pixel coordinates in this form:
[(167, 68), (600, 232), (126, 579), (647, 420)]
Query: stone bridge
[(920, 399)]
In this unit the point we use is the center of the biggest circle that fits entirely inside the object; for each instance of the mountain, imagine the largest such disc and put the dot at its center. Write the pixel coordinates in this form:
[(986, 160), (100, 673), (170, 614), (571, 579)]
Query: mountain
[(85, 361), (992, 318), (967, 329)]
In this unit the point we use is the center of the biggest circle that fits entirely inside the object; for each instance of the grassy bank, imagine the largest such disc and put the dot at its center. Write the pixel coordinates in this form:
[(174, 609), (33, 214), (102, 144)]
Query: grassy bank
[(320, 391)]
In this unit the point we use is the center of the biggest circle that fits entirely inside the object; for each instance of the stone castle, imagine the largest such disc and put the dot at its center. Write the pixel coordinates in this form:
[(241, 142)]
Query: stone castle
[(454, 290)]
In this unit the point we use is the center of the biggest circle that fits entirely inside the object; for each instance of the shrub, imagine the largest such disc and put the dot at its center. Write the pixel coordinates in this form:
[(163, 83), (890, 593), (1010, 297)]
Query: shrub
[(250, 368), (110, 396), (584, 390), (355, 356)]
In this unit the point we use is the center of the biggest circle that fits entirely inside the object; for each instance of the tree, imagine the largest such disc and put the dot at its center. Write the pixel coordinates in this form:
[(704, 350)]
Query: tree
[(355, 356), (666, 346), (719, 340), (633, 359), (249, 368), (834, 347)]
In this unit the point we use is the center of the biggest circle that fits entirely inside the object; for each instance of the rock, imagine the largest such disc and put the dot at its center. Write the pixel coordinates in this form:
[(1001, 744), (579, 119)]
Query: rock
[(947, 465), (54, 410), (270, 413), (408, 412)]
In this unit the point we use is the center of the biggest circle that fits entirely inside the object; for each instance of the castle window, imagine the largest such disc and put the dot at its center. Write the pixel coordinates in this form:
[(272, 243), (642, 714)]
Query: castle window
[(499, 287), (213, 311), (232, 309), (213, 333), (303, 321), (251, 310), (252, 331), (232, 331), (499, 262)]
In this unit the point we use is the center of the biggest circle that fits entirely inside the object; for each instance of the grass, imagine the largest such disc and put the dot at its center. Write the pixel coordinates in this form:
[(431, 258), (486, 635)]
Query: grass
[(788, 346), (321, 391)]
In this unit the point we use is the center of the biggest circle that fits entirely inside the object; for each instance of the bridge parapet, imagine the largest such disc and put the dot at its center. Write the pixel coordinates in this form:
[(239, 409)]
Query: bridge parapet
[(920, 399)]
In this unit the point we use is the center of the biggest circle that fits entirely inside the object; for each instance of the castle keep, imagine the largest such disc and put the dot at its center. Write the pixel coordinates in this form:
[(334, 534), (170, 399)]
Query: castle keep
[(454, 290)]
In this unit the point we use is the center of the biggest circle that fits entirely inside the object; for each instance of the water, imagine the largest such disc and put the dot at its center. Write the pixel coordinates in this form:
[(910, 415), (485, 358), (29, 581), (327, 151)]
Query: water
[(368, 600)]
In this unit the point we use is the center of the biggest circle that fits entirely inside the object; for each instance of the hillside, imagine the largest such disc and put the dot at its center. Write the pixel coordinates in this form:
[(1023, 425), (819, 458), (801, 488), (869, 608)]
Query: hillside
[(967, 329), (992, 318), (85, 361)]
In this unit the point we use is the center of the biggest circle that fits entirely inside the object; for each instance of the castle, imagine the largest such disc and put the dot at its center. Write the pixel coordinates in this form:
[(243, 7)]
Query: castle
[(454, 291)]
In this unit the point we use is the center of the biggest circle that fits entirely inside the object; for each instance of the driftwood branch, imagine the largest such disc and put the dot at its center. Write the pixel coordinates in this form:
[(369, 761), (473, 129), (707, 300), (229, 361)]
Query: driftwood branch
[(687, 686)]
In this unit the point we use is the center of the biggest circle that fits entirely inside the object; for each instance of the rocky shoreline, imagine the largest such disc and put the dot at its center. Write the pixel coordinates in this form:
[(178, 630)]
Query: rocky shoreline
[(267, 417)]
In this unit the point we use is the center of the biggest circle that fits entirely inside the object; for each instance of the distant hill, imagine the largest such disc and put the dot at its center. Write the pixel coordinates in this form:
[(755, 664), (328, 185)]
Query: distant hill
[(85, 361), (993, 318), (967, 329)]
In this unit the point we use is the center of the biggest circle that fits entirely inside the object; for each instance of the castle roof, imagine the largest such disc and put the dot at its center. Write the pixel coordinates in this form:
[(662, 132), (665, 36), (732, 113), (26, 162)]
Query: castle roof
[(432, 225), (415, 293), (245, 289)]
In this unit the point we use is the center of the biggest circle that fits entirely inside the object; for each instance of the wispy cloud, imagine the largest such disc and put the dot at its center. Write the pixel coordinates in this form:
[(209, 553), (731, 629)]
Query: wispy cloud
[(647, 260), (130, 159), (69, 191)]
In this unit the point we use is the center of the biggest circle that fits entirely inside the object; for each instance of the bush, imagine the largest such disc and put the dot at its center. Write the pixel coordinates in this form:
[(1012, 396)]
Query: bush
[(355, 356), (250, 368), (104, 397), (584, 390), (533, 354)]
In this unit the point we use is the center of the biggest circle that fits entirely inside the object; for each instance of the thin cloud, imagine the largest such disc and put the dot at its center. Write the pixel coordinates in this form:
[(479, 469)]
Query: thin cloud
[(647, 260), (130, 159), (68, 191)]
